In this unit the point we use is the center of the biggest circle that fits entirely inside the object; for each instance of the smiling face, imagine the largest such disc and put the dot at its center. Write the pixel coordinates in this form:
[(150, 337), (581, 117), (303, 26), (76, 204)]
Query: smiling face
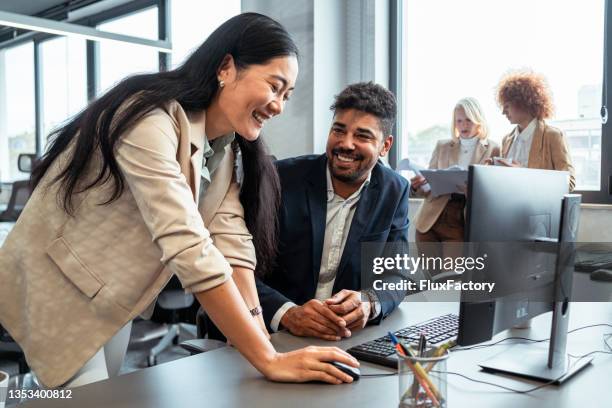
[(464, 126), (253, 95), (355, 143)]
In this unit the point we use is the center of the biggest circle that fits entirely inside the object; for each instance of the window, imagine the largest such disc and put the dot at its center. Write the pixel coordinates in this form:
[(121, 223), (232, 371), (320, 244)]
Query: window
[(116, 60), (17, 120), (64, 81), (464, 51), (192, 22)]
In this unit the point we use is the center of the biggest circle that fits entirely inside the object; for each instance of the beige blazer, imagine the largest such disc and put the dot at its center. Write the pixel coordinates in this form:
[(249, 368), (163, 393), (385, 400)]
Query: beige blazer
[(68, 284), (548, 150), (445, 155)]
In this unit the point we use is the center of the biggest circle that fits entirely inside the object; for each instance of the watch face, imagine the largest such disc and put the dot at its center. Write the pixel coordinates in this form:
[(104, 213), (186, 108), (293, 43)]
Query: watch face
[(255, 311)]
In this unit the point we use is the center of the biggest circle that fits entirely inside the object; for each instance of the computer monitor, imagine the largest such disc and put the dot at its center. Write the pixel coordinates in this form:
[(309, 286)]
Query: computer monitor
[(526, 223)]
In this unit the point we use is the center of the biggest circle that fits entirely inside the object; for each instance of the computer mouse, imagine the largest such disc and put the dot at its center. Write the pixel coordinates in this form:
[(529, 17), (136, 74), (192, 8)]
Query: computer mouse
[(604, 275), (352, 371)]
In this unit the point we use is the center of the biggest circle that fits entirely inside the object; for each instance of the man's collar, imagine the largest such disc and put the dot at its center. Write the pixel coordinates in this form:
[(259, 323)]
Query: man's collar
[(330, 185)]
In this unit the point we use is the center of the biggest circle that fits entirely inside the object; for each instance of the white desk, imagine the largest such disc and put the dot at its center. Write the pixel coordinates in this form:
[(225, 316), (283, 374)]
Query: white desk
[(222, 378)]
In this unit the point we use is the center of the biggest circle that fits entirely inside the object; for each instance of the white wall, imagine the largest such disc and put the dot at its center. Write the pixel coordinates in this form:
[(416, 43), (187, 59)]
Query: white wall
[(290, 134), (340, 42)]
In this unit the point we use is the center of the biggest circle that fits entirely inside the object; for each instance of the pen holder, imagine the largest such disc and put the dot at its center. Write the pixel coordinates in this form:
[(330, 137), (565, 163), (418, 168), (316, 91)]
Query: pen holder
[(422, 381)]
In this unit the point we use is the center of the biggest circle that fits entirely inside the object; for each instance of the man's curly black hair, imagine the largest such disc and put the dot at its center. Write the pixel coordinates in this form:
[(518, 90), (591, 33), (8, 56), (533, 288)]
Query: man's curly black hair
[(370, 98)]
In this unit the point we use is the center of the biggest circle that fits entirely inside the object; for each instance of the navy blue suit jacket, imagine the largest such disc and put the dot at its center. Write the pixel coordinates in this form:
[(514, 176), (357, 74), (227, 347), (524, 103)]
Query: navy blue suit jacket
[(381, 216)]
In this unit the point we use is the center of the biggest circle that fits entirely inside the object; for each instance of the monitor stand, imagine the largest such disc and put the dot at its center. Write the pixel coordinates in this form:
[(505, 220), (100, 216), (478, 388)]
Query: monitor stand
[(534, 360), (530, 361)]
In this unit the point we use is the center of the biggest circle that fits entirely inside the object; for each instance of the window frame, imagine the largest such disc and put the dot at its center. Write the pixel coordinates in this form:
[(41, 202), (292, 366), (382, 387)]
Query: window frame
[(91, 57), (601, 196)]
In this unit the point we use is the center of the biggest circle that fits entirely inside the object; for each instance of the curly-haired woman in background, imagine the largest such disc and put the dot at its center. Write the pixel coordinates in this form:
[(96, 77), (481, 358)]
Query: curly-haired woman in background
[(525, 99)]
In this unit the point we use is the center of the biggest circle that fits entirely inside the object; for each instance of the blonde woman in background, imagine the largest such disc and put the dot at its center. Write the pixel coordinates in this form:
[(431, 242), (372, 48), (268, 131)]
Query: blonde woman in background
[(441, 219)]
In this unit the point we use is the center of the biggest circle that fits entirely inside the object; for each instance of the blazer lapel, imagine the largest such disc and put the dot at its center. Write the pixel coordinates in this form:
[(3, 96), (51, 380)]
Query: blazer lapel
[(219, 185), (316, 192), (506, 143), (196, 144), (481, 151), (359, 225), (537, 143), (453, 154), (189, 155)]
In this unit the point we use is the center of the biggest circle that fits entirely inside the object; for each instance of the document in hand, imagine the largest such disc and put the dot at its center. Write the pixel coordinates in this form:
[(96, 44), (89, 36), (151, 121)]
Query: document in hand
[(406, 164), (446, 181)]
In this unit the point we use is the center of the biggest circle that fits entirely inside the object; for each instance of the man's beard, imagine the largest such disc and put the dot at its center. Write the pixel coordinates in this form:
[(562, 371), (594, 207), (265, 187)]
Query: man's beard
[(353, 176)]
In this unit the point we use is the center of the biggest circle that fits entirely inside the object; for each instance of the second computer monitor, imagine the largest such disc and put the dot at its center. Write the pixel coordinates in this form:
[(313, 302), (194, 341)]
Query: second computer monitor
[(509, 211)]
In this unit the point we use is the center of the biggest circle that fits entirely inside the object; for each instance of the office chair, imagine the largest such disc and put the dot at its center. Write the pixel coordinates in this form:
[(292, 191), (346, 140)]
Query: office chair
[(10, 350), (202, 344), (173, 300), (19, 197), (21, 189)]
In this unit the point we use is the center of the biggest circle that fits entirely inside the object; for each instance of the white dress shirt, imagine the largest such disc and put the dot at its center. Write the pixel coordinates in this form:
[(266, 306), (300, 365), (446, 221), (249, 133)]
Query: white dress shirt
[(466, 151), (521, 144), (339, 217)]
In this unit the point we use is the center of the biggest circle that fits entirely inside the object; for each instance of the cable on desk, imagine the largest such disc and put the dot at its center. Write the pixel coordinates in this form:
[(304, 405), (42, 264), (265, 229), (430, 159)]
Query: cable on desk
[(479, 346), (606, 337), (578, 358), (527, 391), (378, 375), (498, 385), (589, 326), (591, 353)]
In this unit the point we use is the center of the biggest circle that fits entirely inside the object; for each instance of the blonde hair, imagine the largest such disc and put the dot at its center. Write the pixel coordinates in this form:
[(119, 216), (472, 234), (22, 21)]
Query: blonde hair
[(474, 112)]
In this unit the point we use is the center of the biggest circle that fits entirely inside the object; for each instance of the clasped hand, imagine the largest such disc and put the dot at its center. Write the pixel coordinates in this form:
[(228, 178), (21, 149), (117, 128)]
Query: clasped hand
[(331, 319)]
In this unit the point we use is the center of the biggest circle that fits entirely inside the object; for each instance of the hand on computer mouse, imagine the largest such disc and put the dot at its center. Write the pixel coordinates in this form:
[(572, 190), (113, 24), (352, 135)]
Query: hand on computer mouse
[(310, 364), (354, 372)]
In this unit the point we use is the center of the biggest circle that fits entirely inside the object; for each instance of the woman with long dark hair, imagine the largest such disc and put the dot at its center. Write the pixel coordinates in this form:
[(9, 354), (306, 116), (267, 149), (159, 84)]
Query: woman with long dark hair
[(142, 185)]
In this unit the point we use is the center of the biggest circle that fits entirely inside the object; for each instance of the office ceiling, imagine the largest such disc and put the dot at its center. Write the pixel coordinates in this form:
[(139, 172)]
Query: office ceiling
[(30, 7), (49, 9)]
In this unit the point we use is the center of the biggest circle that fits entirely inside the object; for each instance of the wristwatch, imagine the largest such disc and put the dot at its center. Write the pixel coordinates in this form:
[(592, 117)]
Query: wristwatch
[(255, 311), (375, 307)]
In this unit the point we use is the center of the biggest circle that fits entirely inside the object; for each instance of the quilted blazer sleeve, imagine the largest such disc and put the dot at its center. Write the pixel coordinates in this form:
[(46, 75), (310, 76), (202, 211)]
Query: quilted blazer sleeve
[(147, 158), (229, 231)]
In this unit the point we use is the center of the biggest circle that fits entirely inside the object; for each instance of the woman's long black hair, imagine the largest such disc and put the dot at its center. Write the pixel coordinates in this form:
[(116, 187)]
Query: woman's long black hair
[(250, 38)]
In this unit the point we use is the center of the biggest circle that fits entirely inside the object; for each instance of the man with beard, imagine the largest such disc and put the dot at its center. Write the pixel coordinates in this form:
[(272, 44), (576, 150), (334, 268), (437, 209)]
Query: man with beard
[(331, 204)]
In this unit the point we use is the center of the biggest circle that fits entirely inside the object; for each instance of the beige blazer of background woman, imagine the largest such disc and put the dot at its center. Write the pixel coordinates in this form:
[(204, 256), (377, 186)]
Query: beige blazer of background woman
[(82, 278), (548, 151), (446, 154)]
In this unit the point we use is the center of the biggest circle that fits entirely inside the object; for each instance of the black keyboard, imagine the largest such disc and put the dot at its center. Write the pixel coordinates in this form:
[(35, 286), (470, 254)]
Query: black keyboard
[(439, 330), (593, 262)]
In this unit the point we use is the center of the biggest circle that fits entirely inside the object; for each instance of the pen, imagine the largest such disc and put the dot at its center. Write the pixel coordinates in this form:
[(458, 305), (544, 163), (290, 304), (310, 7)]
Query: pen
[(417, 377), (422, 345), (422, 372), (417, 369), (396, 342), (438, 353)]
